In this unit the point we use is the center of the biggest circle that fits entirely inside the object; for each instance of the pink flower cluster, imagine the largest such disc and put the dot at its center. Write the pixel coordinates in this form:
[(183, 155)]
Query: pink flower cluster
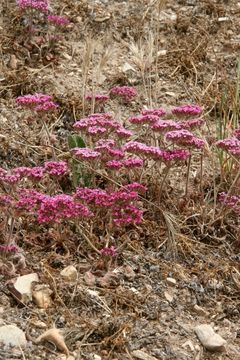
[(135, 186), (56, 168), (119, 203), (139, 148), (109, 251), (97, 123), (101, 123), (128, 163), (127, 215), (127, 93), (185, 138), (175, 155), (190, 124), (51, 208), (98, 98), (236, 133), (28, 199), (52, 168), (155, 152), (231, 201), (144, 119), (86, 153), (187, 110), (230, 145), (41, 5), (39, 102), (61, 207), (165, 125), (9, 248), (5, 200), (58, 20), (157, 112), (105, 198)]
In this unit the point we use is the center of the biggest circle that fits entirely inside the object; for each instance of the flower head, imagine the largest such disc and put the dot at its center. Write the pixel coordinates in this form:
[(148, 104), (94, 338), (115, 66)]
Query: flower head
[(144, 119), (231, 145), (187, 110), (127, 93), (41, 5), (58, 20), (165, 125), (109, 251), (185, 138), (35, 99), (157, 112), (86, 153), (56, 168)]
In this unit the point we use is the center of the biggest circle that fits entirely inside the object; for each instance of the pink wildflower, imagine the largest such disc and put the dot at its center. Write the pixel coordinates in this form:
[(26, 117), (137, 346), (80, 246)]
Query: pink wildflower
[(236, 133), (96, 130), (56, 168), (185, 138), (103, 120), (115, 164), (93, 196), (109, 251), (86, 153), (60, 207), (127, 93), (41, 5), (9, 248), (228, 144), (157, 112), (144, 119), (103, 144), (136, 147), (189, 124), (136, 187), (36, 173), (28, 199), (5, 200), (46, 106), (123, 133), (35, 99), (133, 162), (235, 152), (129, 163), (175, 155), (231, 201), (58, 20), (165, 125), (188, 110), (129, 214)]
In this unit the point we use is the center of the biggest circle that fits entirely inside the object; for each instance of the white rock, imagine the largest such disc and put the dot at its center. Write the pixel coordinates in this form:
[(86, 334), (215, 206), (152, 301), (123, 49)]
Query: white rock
[(23, 285), (11, 335), (168, 296), (96, 357), (209, 339), (42, 296), (69, 273), (171, 281), (139, 354), (162, 52), (223, 19), (199, 310)]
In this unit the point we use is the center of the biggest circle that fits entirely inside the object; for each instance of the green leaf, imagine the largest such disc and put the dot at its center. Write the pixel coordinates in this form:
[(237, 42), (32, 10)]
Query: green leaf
[(75, 141)]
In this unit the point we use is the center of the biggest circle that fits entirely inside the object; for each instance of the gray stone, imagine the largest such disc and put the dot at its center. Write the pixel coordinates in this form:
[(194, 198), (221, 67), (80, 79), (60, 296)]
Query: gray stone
[(11, 335), (209, 339)]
